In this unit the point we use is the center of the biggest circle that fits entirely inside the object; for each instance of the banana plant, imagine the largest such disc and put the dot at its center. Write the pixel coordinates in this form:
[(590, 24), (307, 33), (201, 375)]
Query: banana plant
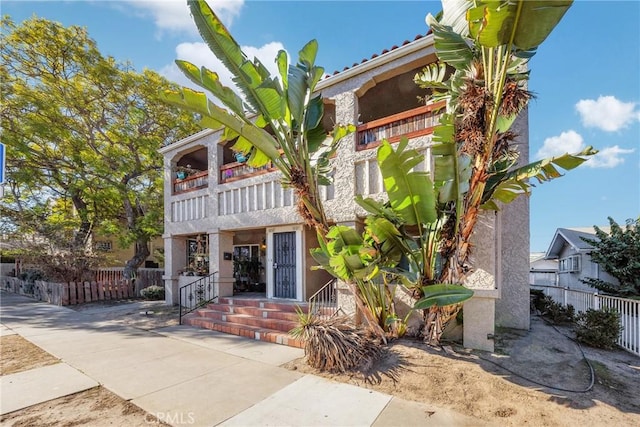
[(487, 45), (483, 47), (286, 105), (401, 240)]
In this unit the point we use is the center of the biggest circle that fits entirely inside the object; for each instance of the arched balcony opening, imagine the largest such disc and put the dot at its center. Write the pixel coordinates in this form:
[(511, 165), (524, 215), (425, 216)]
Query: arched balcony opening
[(393, 106), (191, 171)]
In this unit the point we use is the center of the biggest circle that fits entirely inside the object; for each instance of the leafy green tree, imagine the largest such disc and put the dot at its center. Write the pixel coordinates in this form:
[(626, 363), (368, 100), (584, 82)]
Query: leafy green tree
[(617, 253), (82, 134)]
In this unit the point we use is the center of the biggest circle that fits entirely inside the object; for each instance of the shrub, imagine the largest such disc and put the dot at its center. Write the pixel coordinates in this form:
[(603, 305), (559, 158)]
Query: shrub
[(556, 312), (537, 300), (598, 328), (153, 293), (334, 345)]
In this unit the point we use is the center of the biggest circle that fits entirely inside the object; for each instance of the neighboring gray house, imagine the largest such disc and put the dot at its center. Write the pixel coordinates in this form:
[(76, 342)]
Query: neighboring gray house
[(574, 258), (542, 271), (222, 209)]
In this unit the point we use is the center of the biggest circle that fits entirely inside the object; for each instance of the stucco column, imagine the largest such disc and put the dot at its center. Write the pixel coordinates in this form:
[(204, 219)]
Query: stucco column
[(479, 311), (512, 309), (175, 252), (221, 243), (341, 208)]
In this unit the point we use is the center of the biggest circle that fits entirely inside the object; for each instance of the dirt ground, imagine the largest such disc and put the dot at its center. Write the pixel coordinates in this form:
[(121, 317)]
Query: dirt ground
[(491, 387), (96, 407), (20, 355)]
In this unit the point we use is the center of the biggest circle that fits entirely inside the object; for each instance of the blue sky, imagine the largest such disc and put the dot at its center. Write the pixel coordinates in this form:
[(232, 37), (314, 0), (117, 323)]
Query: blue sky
[(585, 76)]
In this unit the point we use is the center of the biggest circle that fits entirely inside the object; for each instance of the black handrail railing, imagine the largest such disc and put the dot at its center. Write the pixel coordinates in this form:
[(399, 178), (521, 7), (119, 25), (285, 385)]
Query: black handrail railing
[(196, 294)]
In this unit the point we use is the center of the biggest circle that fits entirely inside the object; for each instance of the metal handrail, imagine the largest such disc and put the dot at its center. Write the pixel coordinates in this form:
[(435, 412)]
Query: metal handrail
[(324, 303), (197, 294)]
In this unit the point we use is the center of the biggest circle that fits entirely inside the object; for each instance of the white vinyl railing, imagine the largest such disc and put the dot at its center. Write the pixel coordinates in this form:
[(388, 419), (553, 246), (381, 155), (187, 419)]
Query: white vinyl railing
[(628, 309)]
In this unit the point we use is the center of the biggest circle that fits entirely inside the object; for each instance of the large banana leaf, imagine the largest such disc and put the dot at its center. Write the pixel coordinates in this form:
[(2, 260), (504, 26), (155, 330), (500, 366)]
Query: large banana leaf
[(506, 187), (452, 171), (454, 15), (523, 24), (344, 255), (410, 192), (248, 75), (216, 117), (209, 80), (451, 47), (442, 295)]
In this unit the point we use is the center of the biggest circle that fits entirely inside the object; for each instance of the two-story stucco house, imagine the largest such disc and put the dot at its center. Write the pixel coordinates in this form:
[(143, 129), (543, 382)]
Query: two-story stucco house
[(225, 210)]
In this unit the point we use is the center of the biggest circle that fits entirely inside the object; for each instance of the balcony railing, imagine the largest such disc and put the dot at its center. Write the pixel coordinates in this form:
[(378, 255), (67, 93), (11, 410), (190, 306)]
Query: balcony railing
[(236, 170), (192, 182), (412, 123)]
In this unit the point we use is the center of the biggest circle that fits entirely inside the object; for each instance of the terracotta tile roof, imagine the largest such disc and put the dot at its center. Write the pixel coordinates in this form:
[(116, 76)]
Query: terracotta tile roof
[(375, 55)]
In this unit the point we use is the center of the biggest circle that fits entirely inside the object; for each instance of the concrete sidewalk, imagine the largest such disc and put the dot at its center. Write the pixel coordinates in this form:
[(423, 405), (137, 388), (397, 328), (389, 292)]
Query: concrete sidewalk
[(200, 377)]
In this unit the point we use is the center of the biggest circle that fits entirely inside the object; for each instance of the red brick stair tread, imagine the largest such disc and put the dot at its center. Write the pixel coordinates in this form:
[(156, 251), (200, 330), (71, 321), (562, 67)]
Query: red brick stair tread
[(247, 319), (248, 331)]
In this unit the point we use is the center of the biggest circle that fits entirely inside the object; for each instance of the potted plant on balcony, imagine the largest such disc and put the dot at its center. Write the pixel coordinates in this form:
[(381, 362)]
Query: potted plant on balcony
[(183, 172)]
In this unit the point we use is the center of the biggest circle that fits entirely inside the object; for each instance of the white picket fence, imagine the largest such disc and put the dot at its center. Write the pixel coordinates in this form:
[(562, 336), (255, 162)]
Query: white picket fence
[(582, 301)]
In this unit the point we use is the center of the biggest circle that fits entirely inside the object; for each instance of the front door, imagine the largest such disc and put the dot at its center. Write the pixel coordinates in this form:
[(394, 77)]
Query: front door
[(284, 265)]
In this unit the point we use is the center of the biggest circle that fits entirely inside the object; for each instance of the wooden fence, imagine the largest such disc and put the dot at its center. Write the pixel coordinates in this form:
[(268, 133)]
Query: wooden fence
[(144, 276), (71, 293)]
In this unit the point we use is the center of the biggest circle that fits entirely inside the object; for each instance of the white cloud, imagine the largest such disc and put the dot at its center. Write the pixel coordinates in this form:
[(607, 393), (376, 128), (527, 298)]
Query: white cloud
[(607, 113), (608, 157), (571, 142), (174, 15), (568, 142), (200, 55)]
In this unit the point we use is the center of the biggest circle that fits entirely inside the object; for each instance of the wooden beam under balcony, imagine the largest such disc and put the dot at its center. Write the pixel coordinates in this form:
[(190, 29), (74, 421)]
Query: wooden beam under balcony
[(411, 123)]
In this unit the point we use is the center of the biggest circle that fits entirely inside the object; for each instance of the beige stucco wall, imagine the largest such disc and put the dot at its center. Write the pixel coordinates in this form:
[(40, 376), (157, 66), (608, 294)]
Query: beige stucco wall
[(313, 279)]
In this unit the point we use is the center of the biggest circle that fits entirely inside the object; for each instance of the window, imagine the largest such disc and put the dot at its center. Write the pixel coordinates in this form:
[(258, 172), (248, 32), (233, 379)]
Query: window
[(198, 254), (247, 265), (570, 264), (246, 252), (104, 245)]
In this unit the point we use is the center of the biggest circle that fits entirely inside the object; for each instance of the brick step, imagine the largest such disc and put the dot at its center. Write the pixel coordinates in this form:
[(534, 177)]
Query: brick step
[(253, 332), (250, 320), (234, 304), (263, 303), (267, 313)]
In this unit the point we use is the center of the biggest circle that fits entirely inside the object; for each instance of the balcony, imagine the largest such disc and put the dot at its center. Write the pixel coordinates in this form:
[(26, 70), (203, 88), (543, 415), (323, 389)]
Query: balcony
[(192, 182), (411, 123), (237, 170)]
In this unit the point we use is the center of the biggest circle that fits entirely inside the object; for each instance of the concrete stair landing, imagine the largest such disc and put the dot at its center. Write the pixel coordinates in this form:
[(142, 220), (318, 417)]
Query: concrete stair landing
[(257, 318)]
